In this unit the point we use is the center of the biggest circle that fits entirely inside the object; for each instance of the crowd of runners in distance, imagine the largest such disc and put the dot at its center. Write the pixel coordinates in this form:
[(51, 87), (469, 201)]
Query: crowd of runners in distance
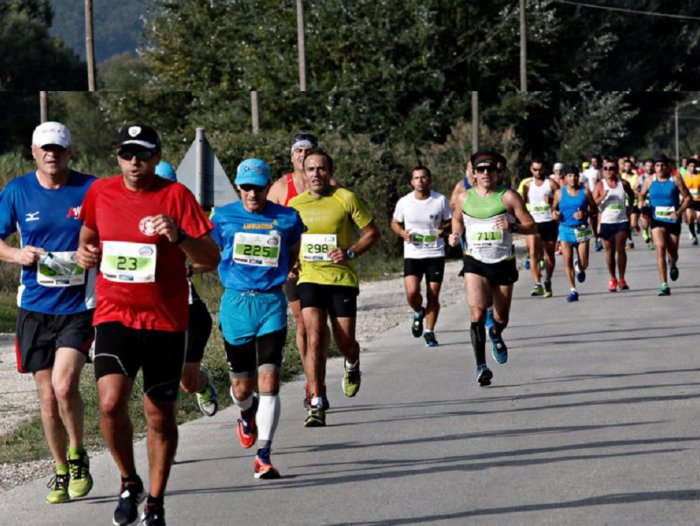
[(108, 262)]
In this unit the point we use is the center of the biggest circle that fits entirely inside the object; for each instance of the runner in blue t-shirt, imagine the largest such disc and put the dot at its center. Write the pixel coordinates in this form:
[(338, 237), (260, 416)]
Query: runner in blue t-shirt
[(55, 300), (260, 244)]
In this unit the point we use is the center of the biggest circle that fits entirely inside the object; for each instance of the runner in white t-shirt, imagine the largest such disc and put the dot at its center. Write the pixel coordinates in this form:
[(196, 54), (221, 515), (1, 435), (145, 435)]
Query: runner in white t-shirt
[(420, 219)]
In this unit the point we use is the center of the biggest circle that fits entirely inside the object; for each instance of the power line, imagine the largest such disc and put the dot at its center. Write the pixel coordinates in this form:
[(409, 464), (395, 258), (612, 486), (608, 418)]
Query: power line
[(623, 10)]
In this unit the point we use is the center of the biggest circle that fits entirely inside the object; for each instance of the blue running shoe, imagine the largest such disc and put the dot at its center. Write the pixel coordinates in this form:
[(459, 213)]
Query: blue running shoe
[(417, 325), (498, 349), (489, 317), (483, 375), (526, 263), (573, 296), (429, 337), (598, 245)]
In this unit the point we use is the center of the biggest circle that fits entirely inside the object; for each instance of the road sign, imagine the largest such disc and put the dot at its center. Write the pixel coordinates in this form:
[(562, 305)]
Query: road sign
[(202, 173)]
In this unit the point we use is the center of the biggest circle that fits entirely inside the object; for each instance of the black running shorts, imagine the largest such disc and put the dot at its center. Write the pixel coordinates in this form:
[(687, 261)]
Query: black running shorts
[(160, 354), (432, 268), (268, 349), (548, 231), (673, 229), (502, 273), (39, 336), (340, 301)]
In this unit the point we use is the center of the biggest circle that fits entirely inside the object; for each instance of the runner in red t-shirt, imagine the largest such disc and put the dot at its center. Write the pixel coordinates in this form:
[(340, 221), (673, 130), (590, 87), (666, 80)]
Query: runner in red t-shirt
[(139, 229)]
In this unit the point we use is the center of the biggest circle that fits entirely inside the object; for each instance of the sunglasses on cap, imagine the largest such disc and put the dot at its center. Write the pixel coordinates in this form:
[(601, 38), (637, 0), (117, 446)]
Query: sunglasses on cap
[(141, 155), (55, 148), (251, 188), (486, 168), (610, 168)]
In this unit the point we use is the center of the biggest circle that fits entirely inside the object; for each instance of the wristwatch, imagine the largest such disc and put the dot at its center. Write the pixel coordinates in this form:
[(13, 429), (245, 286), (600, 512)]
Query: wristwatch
[(350, 254), (514, 227)]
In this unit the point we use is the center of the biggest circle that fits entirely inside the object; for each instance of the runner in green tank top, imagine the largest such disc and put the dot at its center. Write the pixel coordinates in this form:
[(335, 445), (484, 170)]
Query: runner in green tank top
[(490, 215)]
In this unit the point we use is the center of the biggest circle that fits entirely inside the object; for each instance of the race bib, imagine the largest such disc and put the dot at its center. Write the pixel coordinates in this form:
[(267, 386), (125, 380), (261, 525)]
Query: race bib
[(59, 269), (125, 262), (541, 212), (664, 212), (583, 233), (484, 236), (259, 250), (424, 238), (315, 247)]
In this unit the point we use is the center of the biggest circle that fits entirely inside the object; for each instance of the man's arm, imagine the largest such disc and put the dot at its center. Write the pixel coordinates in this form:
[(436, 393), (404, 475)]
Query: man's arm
[(397, 228), (278, 191), (515, 205), (25, 256), (88, 254), (369, 235)]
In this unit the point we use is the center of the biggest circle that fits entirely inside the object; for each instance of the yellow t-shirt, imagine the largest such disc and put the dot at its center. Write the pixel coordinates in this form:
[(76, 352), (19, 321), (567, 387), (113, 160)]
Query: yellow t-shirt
[(333, 214), (693, 184)]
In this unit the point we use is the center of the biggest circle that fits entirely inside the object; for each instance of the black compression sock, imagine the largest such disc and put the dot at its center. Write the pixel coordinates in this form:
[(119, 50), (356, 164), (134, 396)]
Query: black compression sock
[(478, 335)]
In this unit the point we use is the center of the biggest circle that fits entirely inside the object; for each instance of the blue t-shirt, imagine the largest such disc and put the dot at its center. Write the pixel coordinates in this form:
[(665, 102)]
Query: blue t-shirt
[(49, 219), (262, 246)]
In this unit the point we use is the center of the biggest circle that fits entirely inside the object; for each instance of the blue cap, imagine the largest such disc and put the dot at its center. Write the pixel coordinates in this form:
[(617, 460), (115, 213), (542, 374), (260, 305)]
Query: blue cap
[(253, 171), (165, 170)]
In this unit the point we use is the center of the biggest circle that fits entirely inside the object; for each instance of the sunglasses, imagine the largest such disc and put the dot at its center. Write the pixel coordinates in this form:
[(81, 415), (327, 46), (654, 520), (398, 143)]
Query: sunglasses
[(141, 155), (484, 169), (609, 168), (55, 148), (252, 188)]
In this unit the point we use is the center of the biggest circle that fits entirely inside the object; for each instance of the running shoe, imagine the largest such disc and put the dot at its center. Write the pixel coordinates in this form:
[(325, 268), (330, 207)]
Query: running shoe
[(598, 245), (498, 348), (573, 296), (247, 429), (417, 325), (483, 375), (429, 337), (664, 290), (80, 479), (59, 488), (325, 404), (127, 510), (489, 317), (537, 290), (351, 381), (153, 515), (547, 289), (646, 237), (672, 271), (315, 417), (622, 284), (208, 400), (262, 466), (581, 276), (630, 244), (612, 285), (694, 242), (526, 263)]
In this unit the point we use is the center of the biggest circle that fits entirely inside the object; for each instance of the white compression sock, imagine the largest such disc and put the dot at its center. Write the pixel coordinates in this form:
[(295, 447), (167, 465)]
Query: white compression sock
[(268, 416)]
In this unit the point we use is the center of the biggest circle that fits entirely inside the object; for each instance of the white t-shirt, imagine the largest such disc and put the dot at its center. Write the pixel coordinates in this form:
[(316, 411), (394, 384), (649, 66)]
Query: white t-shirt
[(589, 177), (421, 218)]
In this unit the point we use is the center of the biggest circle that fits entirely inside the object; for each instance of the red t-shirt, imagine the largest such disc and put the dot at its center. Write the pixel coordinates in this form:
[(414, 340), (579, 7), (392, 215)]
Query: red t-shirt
[(119, 214)]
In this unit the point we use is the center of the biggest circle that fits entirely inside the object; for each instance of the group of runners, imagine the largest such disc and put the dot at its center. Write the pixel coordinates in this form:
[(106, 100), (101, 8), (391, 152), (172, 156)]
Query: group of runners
[(110, 260)]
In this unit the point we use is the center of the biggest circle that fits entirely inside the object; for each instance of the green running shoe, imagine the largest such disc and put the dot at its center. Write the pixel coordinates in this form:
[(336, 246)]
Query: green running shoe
[(537, 290), (664, 290), (547, 289), (80, 479), (59, 488), (315, 417), (351, 381)]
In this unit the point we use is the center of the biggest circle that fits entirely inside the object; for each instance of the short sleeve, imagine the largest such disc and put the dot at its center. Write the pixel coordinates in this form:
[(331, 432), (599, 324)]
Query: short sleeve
[(8, 218)]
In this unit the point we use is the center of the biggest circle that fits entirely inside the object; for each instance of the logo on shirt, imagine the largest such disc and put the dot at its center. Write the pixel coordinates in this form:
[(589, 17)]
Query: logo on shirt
[(74, 212), (32, 216), (146, 226)]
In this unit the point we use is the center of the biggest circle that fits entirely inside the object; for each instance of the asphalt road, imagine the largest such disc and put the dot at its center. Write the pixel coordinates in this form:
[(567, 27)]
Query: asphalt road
[(593, 420)]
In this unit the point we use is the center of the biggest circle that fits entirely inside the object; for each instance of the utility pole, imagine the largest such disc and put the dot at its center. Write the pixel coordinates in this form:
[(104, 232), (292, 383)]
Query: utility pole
[(523, 48), (475, 121), (679, 105), (301, 44), (254, 114), (89, 45), (43, 106)]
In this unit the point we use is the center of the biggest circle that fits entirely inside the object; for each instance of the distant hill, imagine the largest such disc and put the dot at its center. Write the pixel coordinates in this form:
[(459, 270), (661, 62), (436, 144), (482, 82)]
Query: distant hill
[(118, 25)]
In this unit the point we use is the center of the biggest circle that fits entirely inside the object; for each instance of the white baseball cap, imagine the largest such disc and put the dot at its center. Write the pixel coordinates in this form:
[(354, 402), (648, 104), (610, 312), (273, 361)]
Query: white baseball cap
[(558, 166), (51, 133)]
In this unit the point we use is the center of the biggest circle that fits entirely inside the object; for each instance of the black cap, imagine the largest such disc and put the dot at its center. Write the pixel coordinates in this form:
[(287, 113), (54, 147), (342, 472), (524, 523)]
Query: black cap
[(660, 158), (139, 135)]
